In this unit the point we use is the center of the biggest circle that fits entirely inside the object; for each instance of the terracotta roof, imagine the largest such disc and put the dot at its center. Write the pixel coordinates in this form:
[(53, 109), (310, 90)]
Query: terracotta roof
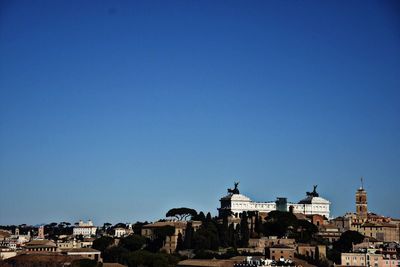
[(372, 224), (282, 246), (40, 259), (300, 216), (82, 250), (170, 223), (329, 226), (389, 225), (40, 243), (5, 233)]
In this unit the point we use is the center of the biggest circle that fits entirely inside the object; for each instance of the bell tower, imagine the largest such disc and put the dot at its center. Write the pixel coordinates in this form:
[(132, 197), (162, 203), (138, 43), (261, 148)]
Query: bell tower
[(361, 202)]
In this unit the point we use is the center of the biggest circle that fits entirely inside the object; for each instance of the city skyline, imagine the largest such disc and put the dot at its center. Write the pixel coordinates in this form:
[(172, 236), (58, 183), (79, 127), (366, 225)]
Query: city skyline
[(213, 213), (119, 111)]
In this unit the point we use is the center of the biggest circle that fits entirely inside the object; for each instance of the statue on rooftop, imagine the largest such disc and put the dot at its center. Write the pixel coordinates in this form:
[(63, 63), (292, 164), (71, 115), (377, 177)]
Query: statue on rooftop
[(313, 193), (235, 190)]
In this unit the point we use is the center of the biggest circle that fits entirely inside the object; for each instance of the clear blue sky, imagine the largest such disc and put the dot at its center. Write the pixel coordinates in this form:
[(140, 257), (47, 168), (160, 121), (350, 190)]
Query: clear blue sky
[(120, 110)]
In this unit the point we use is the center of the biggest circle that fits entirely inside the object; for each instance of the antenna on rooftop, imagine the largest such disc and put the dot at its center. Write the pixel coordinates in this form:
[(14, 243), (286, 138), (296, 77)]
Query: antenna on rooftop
[(362, 182)]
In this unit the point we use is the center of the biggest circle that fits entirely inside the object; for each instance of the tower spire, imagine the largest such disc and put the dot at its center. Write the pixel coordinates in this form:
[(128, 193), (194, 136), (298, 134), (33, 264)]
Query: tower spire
[(361, 202)]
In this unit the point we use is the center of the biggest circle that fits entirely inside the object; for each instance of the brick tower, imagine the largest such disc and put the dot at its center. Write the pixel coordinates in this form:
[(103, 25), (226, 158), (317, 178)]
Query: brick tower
[(361, 203), (41, 232)]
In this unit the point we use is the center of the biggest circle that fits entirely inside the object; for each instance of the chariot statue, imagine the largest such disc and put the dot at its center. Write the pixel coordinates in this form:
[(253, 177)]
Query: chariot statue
[(313, 193), (235, 190)]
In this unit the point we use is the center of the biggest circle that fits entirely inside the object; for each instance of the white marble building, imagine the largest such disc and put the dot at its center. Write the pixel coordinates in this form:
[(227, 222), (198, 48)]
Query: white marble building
[(235, 203), (85, 229), (120, 232)]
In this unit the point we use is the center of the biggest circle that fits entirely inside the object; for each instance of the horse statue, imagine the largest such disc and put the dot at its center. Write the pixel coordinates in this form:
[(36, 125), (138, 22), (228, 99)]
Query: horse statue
[(313, 193), (235, 190)]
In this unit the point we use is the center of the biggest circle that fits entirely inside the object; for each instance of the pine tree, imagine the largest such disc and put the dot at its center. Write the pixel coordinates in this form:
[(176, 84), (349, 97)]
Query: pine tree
[(236, 236), (179, 243), (188, 240), (244, 231), (201, 217), (251, 224), (231, 234), (224, 232), (258, 228), (208, 217)]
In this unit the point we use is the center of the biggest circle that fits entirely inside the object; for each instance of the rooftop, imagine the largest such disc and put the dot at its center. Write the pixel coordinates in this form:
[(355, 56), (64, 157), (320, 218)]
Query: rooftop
[(314, 200), (40, 243), (166, 223), (82, 250)]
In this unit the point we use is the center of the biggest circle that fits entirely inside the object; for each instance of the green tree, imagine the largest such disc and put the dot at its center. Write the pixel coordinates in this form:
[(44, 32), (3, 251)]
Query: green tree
[(232, 236), (148, 259), (102, 243), (244, 230), (346, 241), (344, 244), (278, 223), (133, 242), (187, 242), (200, 217), (179, 242), (223, 230), (160, 233), (120, 225), (258, 228), (236, 236), (114, 254), (208, 217), (137, 227), (305, 231), (206, 237), (106, 226)]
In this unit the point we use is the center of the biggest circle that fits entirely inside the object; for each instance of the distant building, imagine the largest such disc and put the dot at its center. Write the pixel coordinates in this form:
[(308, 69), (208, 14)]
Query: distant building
[(329, 232), (361, 203), (6, 242), (369, 224), (87, 242), (19, 238), (4, 234), (85, 229), (369, 257), (279, 251), (6, 253), (41, 232), (170, 243), (67, 244), (9, 243), (120, 232), (316, 252), (41, 246), (235, 203), (88, 253), (261, 244)]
